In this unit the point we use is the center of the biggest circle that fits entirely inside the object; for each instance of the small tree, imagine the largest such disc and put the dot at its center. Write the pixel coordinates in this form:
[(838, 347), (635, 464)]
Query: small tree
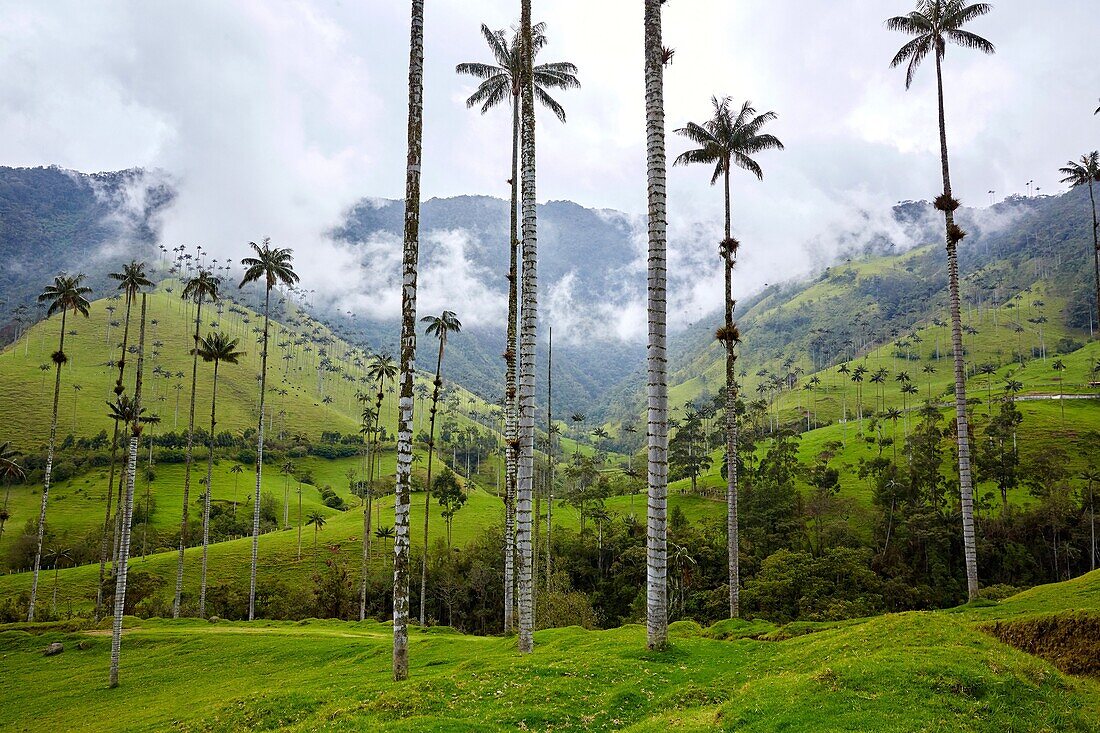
[(448, 492)]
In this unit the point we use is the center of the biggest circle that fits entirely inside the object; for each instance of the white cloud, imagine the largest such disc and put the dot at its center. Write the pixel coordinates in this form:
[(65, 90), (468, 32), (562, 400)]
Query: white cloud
[(274, 117)]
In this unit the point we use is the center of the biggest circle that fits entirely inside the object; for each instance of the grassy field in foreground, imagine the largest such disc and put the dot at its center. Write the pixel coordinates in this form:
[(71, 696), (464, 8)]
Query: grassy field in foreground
[(930, 671)]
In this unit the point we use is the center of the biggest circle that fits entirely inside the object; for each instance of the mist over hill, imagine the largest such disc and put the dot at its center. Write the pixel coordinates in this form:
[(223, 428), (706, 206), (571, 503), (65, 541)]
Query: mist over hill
[(591, 277)]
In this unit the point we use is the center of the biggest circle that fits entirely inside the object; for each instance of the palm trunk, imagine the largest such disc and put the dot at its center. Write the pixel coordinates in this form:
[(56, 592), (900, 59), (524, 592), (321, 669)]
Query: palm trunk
[(49, 467), (966, 491), (657, 387), (187, 461), (111, 480), (209, 490), (428, 487), (549, 449), (511, 417), (1095, 249), (127, 512), (259, 461), (528, 326), (366, 533), (408, 347), (732, 534)]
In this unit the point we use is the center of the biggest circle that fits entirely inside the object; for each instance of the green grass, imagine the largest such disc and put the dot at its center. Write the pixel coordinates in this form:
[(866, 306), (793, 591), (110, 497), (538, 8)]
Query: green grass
[(927, 671), (26, 390)]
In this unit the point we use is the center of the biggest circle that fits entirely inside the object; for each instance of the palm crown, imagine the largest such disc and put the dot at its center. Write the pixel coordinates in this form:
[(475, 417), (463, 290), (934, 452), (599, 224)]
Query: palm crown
[(500, 81), (218, 347), (125, 409), (274, 265), (132, 278), (203, 286), (66, 293), (725, 140), (382, 367), (1080, 173), (935, 23), (440, 326)]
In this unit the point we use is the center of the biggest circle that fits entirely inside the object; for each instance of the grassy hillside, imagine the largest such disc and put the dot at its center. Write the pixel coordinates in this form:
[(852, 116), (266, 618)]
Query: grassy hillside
[(931, 671)]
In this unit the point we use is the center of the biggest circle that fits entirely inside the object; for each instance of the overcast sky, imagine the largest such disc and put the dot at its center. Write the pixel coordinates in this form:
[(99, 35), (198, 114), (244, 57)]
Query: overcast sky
[(273, 117)]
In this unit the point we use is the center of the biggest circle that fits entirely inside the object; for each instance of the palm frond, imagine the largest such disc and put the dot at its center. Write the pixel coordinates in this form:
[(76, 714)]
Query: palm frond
[(550, 103), (966, 39)]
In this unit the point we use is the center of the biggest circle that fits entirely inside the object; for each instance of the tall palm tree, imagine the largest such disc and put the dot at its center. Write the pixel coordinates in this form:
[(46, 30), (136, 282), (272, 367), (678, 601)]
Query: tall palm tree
[(317, 521), (273, 265), (934, 23), (199, 288), (10, 471), (56, 555), (216, 348), (501, 81), (528, 322), (657, 360), (131, 279), (1085, 173), (380, 369), (410, 256), (286, 469), (64, 294), (438, 326), (129, 412), (725, 141)]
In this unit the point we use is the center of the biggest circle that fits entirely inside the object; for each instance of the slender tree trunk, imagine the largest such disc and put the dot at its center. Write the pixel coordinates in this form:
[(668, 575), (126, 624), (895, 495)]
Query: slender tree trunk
[(127, 512), (408, 347), (528, 326), (732, 534), (1095, 249), (428, 487), (549, 450), (259, 461), (49, 467), (657, 388), (209, 490), (966, 490), (187, 461), (511, 415), (366, 535), (103, 547)]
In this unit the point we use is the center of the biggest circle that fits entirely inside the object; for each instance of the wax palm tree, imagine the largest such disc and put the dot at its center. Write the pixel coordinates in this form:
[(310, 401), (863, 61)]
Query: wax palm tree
[(934, 23), (502, 81), (385, 534), (131, 280), (55, 556), (1086, 172), (724, 141), (1091, 476), (316, 520), (656, 539), (64, 294), (272, 265), (409, 259), (128, 412), (286, 469), (10, 472), (528, 323), (204, 286), (439, 326), (380, 369), (216, 348), (236, 470), (1059, 366)]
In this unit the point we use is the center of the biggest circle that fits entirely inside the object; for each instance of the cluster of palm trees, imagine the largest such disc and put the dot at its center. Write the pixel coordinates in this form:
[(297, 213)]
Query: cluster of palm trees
[(67, 295), (727, 139)]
